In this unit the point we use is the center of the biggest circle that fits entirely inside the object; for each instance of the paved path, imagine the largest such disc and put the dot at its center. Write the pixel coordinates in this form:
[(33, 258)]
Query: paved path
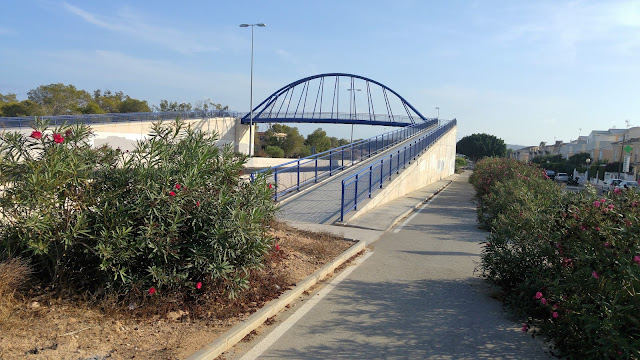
[(416, 296)]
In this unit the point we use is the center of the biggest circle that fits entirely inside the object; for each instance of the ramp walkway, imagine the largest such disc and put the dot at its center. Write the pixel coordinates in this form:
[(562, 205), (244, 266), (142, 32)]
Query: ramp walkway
[(320, 204)]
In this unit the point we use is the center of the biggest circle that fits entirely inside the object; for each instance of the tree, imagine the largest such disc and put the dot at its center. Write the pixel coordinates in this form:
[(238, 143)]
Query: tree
[(22, 108), (477, 146), (10, 97), (291, 143), (274, 151), (92, 108), (59, 99), (130, 105), (319, 140)]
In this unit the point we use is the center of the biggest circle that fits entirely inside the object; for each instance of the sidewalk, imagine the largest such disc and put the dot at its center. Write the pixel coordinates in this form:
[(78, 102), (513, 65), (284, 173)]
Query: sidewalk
[(415, 294)]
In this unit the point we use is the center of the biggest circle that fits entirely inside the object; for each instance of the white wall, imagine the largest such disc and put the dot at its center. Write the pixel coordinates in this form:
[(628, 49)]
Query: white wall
[(438, 162)]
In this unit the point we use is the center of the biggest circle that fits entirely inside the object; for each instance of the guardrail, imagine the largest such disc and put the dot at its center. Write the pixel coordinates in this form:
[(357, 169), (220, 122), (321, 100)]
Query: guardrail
[(296, 174), (28, 121), (364, 183)]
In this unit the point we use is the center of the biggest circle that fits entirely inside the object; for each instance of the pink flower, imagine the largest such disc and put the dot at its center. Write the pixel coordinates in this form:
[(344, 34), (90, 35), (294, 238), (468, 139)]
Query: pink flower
[(538, 295), (555, 306), (597, 228), (595, 275), (36, 135), (596, 203), (152, 290), (525, 327), (543, 301), (198, 203), (610, 206), (171, 193), (199, 285), (270, 186), (67, 133), (277, 247), (603, 200), (616, 190), (555, 315), (637, 259), (58, 139), (178, 186)]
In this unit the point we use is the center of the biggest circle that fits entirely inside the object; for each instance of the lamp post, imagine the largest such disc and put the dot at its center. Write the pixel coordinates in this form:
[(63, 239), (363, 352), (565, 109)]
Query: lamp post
[(438, 109), (251, 89), (352, 106), (588, 163)]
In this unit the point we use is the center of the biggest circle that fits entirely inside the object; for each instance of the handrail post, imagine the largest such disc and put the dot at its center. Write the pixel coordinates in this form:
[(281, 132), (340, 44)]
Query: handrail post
[(381, 172), (298, 187), (351, 153), (316, 170), (275, 180), (330, 161), (342, 203), (390, 165), (342, 159), (404, 157), (370, 178), (355, 197)]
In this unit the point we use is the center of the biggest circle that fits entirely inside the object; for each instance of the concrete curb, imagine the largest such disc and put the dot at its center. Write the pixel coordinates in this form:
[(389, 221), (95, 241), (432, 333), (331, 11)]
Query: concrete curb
[(416, 206), (239, 331)]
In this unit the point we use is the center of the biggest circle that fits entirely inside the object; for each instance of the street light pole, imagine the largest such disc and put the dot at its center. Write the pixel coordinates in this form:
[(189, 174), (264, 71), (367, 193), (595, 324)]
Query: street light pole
[(588, 163), (438, 108), (251, 89)]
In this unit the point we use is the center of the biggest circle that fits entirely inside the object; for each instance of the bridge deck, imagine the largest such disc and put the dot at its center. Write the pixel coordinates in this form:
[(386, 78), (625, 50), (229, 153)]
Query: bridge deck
[(321, 203)]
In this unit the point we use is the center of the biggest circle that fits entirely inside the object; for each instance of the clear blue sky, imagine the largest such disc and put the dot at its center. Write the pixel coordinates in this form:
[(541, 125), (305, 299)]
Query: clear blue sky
[(525, 71)]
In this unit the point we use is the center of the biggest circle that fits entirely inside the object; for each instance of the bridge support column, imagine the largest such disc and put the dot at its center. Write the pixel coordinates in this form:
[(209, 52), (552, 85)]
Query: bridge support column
[(243, 137)]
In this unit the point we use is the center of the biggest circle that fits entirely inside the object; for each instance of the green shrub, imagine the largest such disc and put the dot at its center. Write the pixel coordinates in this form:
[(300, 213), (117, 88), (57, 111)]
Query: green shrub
[(47, 181), (569, 261), (171, 213), (176, 212), (460, 164)]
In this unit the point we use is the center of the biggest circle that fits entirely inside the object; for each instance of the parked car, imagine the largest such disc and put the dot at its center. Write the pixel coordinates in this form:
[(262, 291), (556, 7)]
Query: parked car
[(550, 174), (561, 177), (620, 184)]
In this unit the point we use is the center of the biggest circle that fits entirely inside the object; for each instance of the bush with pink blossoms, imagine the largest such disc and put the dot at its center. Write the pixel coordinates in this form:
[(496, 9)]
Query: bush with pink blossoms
[(569, 261)]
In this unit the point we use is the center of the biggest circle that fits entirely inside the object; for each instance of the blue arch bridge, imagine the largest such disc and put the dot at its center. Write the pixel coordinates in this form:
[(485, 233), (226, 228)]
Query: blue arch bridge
[(326, 187)]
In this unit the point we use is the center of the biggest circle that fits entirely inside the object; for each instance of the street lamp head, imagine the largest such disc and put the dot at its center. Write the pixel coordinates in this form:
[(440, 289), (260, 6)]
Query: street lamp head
[(588, 161), (244, 25), (261, 25)]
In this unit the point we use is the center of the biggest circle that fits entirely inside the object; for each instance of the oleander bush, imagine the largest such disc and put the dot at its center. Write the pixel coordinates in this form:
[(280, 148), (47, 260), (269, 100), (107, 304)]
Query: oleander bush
[(569, 261), (170, 214)]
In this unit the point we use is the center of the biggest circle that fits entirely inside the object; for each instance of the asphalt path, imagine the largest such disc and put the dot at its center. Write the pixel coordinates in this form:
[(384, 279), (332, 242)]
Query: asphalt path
[(415, 295)]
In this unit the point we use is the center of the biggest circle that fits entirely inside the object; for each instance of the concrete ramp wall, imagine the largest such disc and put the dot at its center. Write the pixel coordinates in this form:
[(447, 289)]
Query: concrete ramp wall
[(436, 163)]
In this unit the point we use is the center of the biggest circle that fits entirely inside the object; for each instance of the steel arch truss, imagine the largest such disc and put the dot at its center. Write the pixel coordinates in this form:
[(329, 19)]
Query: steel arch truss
[(336, 98)]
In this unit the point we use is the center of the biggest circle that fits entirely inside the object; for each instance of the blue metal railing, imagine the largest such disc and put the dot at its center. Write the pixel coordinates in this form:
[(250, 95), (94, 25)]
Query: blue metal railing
[(366, 181), (28, 121), (296, 174)]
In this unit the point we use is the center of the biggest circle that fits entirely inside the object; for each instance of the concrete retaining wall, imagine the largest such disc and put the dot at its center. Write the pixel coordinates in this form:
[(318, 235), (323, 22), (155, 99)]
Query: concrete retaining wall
[(125, 134), (437, 163)]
